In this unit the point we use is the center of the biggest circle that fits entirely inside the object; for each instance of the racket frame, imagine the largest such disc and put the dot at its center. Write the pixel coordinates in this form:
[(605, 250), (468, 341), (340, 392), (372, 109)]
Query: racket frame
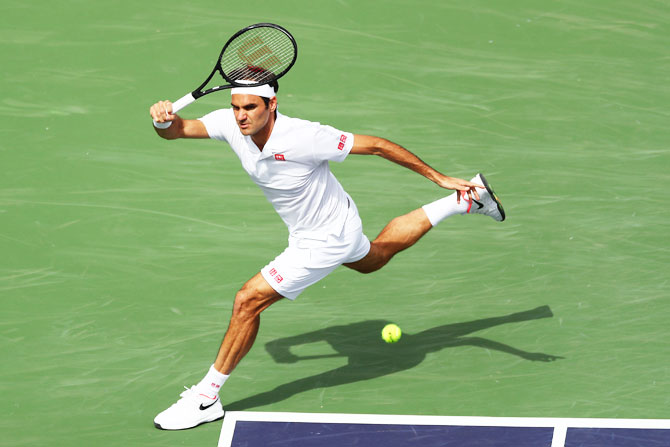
[(199, 92)]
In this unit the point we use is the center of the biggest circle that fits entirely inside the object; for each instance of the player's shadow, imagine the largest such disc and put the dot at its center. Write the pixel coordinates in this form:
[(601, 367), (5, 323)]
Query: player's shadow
[(369, 357)]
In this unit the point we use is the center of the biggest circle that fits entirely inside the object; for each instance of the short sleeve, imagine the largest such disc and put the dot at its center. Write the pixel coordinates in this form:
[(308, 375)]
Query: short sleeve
[(220, 124), (332, 144)]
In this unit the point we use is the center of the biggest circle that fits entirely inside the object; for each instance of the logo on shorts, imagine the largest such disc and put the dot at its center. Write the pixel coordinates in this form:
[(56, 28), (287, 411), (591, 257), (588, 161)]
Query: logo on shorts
[(275, 275), (280, 157), (343, 139)]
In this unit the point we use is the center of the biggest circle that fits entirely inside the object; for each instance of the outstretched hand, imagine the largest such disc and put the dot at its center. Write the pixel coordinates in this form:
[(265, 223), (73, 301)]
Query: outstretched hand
[(464, 187)]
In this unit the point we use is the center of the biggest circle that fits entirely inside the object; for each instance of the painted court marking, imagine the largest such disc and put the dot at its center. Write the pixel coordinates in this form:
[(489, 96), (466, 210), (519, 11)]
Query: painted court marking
[(260, 429)]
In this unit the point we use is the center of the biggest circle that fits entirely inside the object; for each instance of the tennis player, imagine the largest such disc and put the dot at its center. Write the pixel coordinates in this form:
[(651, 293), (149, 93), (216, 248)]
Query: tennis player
[(288, 159)]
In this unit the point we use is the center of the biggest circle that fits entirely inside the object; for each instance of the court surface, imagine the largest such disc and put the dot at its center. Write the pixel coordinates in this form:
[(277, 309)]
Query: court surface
[(121, 252), (252, 429)]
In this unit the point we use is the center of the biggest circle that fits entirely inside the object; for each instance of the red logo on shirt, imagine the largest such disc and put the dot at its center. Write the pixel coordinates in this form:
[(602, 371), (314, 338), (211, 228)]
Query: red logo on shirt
[(343, 139), (280, 157)]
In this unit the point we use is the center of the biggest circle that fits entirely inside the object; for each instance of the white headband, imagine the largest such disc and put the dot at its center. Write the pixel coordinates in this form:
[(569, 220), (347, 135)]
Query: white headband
[(264, 90)]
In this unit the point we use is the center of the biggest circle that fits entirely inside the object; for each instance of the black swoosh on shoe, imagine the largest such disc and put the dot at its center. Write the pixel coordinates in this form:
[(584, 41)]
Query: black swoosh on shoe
[(204, 407)]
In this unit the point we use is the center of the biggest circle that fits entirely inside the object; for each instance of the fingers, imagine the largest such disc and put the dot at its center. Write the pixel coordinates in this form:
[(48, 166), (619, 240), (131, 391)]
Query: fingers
[(471, 188), (474, 190), (161, 112), (467, 194), (465, 189), (468, 189)]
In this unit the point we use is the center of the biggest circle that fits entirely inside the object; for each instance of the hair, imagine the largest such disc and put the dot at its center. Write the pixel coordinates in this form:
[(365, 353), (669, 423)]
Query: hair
[(256, 74), (275, 86)]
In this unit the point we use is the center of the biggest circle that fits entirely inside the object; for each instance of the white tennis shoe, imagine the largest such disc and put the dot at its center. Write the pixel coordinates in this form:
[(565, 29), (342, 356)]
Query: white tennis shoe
[(488, 203), (190, 411)]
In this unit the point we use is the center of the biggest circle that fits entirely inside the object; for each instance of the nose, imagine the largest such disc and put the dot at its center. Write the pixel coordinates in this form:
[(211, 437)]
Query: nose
[(241, 115)]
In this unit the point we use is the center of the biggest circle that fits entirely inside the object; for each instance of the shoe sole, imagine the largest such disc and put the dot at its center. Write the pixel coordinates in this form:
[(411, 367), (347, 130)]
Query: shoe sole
[(158, 426), (493, 195)]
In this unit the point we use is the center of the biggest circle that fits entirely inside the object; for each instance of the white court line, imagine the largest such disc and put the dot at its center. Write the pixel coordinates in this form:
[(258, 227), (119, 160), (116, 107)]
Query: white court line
[(560, 432), (560, 425)]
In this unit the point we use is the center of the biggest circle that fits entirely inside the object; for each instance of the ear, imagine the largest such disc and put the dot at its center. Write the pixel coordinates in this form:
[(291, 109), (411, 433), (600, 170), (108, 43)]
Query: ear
[(273, 104)]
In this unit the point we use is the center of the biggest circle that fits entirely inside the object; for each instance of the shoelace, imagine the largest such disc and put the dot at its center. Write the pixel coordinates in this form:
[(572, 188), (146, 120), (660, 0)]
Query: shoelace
[(185, 395), (191, 394)]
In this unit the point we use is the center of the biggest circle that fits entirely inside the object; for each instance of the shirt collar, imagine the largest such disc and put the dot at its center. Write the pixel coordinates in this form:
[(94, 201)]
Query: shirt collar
[(276, 130)]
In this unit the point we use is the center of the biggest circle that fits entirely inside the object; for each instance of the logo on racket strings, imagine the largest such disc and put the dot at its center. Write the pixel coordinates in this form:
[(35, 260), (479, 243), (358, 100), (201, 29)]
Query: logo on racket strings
[(254, 52)]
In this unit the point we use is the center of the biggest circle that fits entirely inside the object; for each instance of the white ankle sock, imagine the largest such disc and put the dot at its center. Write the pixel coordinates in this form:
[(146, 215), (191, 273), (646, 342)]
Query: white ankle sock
[(440, 209), (212, 382)]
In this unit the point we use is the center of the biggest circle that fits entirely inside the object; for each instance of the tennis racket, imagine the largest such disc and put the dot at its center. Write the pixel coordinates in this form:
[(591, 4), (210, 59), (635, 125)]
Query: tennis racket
[(255, 55)]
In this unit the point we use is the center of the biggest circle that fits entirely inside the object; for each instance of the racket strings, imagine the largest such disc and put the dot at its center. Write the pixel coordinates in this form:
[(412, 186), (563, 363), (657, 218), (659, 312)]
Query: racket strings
[(258, 55)]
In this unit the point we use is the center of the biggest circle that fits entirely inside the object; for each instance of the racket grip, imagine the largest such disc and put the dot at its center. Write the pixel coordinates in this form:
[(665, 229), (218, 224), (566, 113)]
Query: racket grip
[(164, 125), (182, 102), (176, 107)]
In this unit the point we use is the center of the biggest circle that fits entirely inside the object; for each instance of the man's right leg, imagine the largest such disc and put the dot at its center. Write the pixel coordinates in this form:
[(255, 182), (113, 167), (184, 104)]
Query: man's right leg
[(201, 403), (252, 299)]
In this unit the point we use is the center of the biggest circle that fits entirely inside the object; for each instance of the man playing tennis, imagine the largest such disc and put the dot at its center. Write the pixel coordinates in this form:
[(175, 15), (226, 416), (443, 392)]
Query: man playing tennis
[(288, 158)]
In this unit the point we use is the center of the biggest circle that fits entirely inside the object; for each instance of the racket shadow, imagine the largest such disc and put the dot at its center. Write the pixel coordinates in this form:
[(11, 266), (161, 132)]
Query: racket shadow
[(368, 357)]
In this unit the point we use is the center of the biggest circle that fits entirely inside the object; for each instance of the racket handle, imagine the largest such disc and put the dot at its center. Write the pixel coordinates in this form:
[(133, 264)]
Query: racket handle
[(164, 125), (182, 102), (176, 107)]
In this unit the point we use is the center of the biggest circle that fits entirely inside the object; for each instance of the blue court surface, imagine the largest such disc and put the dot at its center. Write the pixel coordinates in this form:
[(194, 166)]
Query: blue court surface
[(249, 429)]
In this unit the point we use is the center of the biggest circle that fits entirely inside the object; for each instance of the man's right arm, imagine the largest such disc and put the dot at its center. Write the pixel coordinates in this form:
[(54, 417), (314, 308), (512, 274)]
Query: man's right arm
[(161, 112)]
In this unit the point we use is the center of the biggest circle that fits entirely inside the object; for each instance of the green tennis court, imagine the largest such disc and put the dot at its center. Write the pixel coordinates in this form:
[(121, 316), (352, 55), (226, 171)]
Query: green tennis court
[(121, 252)]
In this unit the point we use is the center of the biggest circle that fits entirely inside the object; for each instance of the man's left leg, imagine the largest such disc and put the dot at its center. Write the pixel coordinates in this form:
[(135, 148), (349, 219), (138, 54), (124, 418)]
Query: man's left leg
[(401, 233), (404, 231)]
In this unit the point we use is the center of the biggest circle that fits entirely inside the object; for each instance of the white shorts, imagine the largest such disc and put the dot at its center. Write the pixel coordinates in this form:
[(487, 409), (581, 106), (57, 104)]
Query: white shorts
[(307, 261)]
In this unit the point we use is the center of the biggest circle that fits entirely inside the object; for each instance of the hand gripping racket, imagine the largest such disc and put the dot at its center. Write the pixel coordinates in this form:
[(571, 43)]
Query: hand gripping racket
[(255, 55)]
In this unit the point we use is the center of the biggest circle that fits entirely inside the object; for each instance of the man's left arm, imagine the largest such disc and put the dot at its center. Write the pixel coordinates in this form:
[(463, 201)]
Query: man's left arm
[(369, 145)]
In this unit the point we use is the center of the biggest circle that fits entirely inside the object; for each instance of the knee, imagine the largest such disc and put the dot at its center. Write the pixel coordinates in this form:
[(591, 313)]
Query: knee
[(376, 258), (367, 269), (379, 257), (246, 305)]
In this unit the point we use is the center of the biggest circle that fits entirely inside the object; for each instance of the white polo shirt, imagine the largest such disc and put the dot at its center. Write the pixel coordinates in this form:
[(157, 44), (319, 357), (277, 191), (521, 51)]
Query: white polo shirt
[(292, 170)]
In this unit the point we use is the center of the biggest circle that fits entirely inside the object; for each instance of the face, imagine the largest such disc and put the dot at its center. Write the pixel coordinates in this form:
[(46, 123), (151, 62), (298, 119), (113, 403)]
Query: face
[(251, 114)]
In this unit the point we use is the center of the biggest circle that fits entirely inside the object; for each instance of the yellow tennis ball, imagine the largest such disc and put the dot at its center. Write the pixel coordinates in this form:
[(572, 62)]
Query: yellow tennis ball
[(391, 333)]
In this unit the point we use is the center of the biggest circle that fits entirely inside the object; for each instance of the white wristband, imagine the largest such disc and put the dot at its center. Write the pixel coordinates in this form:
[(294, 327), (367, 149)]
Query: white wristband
[(164, 125)]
